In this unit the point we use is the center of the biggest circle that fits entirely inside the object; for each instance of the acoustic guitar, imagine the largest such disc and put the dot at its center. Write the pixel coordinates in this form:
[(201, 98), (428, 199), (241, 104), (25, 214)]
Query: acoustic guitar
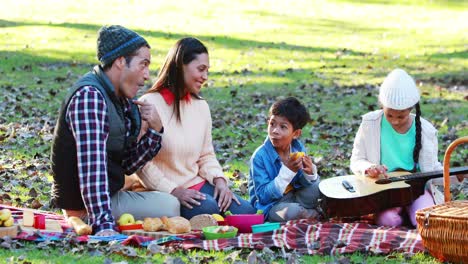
[(348, 196)]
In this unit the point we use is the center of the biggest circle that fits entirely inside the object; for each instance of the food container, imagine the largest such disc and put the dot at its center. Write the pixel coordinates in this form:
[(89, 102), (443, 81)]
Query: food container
[(11, 231), (222, 223), (210, 232), (39, 221), (267, 227), (130, 227), (244, 222)]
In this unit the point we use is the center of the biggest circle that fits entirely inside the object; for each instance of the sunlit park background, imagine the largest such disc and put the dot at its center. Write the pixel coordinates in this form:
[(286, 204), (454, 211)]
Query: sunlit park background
[(330, 54)]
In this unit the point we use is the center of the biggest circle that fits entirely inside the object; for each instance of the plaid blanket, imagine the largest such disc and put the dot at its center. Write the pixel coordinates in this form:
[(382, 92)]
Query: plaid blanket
[(309, 237), (42, 235), (304, 236)]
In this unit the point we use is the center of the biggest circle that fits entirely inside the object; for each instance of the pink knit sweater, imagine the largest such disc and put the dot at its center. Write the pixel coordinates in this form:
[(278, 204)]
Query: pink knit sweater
[(187, 156)]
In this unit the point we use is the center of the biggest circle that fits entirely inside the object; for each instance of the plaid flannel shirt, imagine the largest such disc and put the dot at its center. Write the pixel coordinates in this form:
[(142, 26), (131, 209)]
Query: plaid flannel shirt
[(88, 120)]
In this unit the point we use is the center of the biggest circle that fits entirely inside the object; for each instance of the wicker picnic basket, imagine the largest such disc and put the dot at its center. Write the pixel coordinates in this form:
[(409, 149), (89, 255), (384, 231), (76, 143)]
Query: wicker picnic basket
[(444, 228)]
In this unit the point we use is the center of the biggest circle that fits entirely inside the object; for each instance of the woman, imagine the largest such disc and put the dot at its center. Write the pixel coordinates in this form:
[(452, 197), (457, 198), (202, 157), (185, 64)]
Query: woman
[(186, 165)]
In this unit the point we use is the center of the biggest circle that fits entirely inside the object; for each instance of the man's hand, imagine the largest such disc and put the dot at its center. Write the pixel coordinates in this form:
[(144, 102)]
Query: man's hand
[(188, 197), (149, 114), (307, 165), (223, 195)]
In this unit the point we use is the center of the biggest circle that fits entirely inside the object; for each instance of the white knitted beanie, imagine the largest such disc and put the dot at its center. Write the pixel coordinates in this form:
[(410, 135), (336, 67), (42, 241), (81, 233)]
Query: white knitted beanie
[(398, 91)]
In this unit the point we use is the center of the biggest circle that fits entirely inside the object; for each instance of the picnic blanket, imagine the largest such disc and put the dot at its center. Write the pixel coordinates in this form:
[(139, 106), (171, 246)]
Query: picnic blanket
[(304, 236), (311, 237)]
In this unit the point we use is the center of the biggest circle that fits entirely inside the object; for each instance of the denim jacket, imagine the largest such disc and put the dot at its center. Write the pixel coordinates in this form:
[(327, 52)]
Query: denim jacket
[(265, 165)]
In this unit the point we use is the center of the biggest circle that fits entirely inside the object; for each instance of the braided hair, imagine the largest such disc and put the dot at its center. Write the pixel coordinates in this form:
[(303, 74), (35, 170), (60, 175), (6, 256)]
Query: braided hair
[(418, 145)]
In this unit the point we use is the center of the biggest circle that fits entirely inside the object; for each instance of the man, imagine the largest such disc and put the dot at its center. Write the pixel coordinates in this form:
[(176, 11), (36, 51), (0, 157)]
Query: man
[(96, 137)]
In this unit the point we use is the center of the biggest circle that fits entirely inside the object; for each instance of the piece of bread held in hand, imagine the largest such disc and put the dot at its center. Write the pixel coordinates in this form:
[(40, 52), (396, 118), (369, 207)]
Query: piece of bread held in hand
[(176, 224), (198, 222), (79, 226), (152, 224)]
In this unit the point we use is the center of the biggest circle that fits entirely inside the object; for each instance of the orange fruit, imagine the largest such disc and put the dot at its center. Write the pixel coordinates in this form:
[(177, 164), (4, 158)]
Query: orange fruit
[(296, 155)]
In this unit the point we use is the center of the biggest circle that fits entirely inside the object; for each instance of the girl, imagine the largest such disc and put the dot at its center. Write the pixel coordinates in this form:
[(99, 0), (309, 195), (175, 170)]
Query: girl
[(392, 138), (186, 165)]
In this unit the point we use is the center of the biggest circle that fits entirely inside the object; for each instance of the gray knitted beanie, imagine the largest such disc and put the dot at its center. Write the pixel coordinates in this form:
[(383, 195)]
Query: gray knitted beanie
[(115, 41)]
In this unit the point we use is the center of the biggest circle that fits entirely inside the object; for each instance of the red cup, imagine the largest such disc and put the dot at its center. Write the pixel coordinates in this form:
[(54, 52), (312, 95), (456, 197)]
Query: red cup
[(39, 221)]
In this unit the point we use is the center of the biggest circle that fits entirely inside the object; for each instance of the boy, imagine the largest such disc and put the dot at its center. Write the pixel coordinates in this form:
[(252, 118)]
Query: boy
[(282, 182)]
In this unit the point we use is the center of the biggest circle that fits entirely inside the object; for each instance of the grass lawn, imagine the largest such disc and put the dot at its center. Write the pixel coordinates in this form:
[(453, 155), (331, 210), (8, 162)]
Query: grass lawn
[(330, 54)]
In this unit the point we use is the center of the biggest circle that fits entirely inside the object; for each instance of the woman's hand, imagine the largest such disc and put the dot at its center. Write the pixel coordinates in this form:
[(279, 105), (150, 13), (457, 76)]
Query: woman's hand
[(375, 171), (225, 195), (307, 165), (188, 197)]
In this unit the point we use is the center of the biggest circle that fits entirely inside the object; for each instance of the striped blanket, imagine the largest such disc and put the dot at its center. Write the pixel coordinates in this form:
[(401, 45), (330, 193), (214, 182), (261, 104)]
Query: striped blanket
[(308, 237), (304, 236)]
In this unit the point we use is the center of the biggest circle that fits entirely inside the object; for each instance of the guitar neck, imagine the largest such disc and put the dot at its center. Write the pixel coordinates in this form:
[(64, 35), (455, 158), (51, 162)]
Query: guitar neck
[(429, 175)]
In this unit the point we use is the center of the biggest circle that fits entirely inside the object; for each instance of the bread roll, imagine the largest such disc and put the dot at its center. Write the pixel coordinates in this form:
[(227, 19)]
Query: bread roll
[(80, 227), (176, 224), (152, 224), (198, 222)]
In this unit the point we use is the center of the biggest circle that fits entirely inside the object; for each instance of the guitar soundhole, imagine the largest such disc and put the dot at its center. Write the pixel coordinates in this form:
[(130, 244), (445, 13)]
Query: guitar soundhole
[(383, 181)]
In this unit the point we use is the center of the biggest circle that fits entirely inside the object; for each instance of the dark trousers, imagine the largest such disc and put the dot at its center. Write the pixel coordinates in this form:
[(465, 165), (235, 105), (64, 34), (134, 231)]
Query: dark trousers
[(210, 205)]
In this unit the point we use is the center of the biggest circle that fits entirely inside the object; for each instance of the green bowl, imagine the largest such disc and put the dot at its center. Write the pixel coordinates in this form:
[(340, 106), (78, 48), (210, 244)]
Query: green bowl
[(265, 227), (210, 233)]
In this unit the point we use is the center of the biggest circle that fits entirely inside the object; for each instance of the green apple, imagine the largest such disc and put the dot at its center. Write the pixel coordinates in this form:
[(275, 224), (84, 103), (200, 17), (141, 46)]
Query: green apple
[(9, 222), (126, 219), (5, 214), (140, 222)]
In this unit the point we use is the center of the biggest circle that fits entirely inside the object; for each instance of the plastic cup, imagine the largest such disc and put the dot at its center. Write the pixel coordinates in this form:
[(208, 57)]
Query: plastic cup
[(39, 222)]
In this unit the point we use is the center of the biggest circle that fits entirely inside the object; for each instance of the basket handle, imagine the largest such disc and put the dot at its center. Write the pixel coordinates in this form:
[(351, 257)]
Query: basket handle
[(448, 152)]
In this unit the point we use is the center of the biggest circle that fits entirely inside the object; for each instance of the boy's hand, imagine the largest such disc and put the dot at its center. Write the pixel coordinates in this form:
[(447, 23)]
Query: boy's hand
[(307, 165), (294, 164)]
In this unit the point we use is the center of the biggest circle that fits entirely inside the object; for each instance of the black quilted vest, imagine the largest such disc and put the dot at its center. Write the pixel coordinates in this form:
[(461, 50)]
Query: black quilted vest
[(65, 190)]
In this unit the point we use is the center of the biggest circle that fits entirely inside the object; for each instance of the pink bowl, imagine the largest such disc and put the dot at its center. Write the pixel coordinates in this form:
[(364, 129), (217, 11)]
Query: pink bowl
[(244, 222)]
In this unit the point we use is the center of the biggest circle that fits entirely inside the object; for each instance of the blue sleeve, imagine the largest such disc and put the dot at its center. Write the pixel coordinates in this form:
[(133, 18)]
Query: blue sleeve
[(264, 185), (300, 181)]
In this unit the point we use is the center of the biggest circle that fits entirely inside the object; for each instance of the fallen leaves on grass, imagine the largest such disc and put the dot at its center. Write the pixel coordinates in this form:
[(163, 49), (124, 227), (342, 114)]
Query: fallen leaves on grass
[(239, 127)]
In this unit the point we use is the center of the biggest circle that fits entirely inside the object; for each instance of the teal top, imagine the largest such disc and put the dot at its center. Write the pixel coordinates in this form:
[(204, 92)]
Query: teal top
[(396, 150)]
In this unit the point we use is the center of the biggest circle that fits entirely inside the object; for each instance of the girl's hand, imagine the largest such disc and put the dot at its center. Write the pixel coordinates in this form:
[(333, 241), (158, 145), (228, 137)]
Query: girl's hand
[(225, 195), (188, 197), (307, 165), (375, 171)]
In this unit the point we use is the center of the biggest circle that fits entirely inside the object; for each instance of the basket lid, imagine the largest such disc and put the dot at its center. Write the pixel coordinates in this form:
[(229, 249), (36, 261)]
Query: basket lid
[(453, 209)]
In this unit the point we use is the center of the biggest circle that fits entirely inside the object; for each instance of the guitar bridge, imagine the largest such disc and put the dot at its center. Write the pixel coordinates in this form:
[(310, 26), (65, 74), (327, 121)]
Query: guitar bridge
[(348, 186)]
